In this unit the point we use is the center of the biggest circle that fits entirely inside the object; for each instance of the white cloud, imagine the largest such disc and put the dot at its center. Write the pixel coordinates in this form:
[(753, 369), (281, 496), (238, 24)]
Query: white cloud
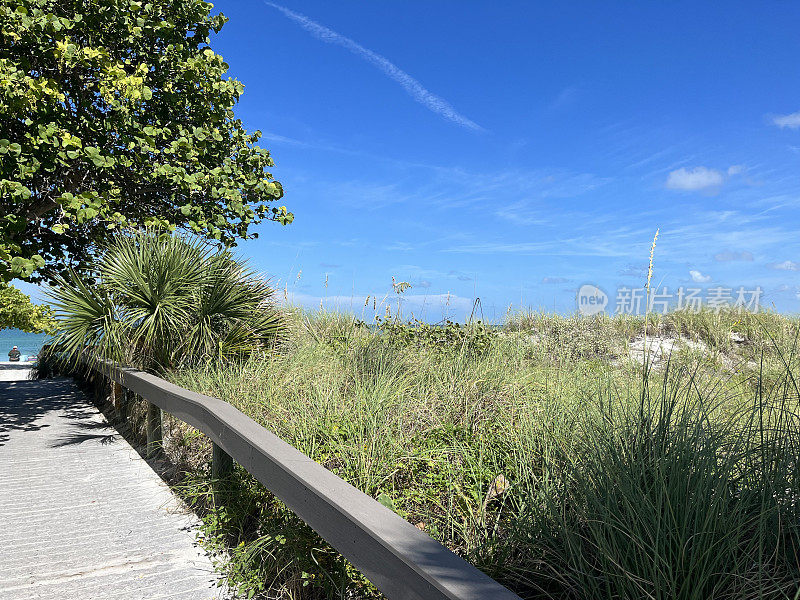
[(735, 169), (791, 121), (392, 71), (520, 213), (697, 178), (698, 277), (701, 178), (460, 276), (578, 246), (537, 188), (634, 271), (729, 255), (565, 97), (425, 306), (787, 265)]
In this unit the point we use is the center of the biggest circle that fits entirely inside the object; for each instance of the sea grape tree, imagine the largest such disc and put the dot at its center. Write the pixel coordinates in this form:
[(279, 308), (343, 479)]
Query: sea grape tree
[(18, 312), (117, 114)]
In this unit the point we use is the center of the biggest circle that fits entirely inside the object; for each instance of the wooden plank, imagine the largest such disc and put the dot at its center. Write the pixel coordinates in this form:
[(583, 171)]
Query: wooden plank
[(402, 561)]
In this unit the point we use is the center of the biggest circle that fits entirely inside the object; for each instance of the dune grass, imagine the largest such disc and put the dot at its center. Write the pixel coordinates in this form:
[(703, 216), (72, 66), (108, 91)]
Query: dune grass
[(536, 450)]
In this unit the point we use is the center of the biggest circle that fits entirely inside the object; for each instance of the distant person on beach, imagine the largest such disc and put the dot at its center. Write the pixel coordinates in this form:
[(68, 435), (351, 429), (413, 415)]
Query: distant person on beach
[(13, 356)]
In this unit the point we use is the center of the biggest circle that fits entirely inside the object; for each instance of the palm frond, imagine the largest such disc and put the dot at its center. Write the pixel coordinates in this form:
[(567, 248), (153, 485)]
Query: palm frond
[(163, 300), (89, 324)]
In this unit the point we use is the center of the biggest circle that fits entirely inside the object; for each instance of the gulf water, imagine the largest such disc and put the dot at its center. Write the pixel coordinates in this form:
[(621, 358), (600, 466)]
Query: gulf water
[(29, 344)]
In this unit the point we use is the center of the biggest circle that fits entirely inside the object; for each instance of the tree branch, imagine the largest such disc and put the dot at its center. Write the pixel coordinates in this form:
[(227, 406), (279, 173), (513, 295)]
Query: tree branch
[(43, 206)]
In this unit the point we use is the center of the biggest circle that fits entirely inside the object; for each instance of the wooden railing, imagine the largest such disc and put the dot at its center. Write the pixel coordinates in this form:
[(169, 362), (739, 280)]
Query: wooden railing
[(402, 561)]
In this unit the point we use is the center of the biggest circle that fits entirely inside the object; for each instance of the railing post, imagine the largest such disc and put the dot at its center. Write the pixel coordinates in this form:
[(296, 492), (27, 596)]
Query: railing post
[(154, 436), (117, 400), (221, 469), (98, 383), (126, 403)]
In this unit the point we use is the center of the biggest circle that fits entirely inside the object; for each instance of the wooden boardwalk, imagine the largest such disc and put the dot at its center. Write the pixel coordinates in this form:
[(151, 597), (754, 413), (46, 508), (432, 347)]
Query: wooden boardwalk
[(82, 515)]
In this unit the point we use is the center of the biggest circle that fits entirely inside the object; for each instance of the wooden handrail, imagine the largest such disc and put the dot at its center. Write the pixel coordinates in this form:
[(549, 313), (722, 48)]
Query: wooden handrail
[(399, 559)]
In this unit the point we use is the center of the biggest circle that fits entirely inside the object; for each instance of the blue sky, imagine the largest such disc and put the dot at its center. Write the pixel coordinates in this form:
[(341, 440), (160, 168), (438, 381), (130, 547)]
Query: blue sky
[(516, 150)]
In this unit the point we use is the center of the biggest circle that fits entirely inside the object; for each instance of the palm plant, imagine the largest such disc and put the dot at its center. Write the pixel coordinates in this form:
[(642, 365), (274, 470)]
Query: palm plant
[(162, 301)]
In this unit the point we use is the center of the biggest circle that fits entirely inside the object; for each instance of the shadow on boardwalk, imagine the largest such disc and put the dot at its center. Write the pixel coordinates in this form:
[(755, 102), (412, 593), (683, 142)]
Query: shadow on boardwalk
[(24, 403), (84, 517)]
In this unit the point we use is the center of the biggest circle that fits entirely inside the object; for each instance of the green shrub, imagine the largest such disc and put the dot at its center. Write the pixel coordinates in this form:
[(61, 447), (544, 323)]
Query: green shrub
[(161, 301), (474, 337)]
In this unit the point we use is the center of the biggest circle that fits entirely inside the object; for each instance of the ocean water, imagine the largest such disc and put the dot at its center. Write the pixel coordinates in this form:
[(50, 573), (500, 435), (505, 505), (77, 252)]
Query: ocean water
[(29, 343)]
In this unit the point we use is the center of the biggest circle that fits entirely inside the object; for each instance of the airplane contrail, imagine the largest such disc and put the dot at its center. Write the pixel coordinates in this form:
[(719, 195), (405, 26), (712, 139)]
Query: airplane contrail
[(411, 85)]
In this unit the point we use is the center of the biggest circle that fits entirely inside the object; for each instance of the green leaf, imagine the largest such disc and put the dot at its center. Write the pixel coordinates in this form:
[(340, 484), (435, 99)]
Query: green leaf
[(183, 149), (17, 311), (384, 499)]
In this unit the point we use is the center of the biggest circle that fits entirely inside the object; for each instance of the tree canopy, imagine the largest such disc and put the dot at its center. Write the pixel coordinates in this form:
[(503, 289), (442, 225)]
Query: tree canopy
[(116, 114), (18, 312)]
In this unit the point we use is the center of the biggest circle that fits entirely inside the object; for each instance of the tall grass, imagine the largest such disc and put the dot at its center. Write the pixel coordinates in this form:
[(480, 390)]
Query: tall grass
[(541, 454)]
